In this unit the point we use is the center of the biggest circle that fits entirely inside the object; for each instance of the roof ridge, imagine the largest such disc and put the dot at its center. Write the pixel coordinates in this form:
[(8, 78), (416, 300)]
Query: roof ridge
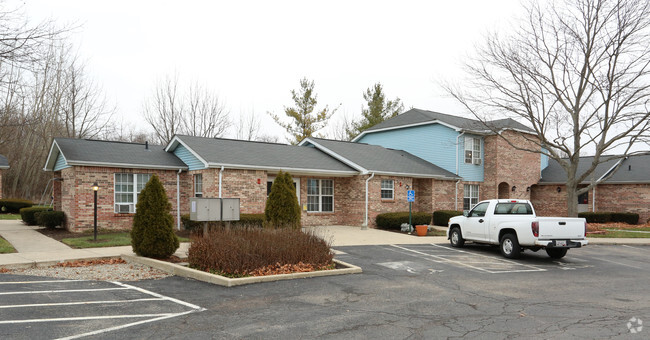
[(237, 140), (104, 141)]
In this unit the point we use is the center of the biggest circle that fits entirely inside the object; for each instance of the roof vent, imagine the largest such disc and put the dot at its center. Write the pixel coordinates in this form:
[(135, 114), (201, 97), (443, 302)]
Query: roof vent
[(629, 168), (146, 145)]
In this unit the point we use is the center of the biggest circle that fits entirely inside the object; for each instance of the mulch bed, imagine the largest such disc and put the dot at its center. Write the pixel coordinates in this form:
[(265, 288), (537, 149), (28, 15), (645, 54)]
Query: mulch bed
[(599, 228)]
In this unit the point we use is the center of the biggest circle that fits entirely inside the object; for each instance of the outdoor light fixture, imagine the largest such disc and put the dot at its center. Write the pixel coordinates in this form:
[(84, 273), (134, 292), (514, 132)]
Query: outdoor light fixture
[(95, 188), (527, 189), (514, 188), (559, 189)]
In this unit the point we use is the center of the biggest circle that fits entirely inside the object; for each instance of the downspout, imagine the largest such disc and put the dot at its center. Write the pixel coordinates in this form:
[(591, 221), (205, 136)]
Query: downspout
[(220, 176), (593, 200), (178, 199), (457, 170), (365, 223)]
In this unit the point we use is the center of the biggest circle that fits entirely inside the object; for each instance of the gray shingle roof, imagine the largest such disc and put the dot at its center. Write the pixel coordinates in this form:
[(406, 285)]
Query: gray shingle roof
[(119, 154), (378, 159), (4, 163), (217, 151), (417, 116), (634, 169)]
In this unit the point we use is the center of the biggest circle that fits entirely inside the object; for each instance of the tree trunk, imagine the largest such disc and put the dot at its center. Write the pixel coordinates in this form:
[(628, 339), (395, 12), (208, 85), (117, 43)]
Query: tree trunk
[(571, 199)]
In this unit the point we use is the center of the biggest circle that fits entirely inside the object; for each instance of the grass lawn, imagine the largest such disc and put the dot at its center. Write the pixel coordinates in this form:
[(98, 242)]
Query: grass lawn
[(437, 233), (621, 234), (6, 247), (9, 216), (104, 240)]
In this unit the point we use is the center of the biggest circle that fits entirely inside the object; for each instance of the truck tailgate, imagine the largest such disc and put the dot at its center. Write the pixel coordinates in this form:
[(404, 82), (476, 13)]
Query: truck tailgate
[(561, 228)]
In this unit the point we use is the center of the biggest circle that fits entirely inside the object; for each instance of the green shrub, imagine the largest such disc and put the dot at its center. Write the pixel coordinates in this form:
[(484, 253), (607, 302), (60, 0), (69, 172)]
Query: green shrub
[(13, 206), (282, 208), (239, 251), (441, 217), (28, 215), (394, 220), (153, 225), (251, 220), (50, 219), (246, 220), (596, 217), (629, 218)]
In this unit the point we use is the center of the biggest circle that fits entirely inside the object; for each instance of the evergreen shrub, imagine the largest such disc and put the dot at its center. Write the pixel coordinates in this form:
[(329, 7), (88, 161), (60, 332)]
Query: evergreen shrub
[(282, 209), (50, 219), (394, 220), (28, 215), (441, 217), (13, 205)]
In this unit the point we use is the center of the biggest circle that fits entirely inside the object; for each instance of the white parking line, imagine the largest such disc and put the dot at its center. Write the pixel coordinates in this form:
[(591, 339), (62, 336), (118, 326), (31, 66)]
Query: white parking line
[(62, 291), (81, 318), (79, 303), (43, 281), (442, 259)]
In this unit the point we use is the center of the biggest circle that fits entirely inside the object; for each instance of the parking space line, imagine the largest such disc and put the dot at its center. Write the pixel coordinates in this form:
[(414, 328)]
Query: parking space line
[(43, 281), (63, 291), (79, 303), (144, 291), (442, 259), (82, 318)]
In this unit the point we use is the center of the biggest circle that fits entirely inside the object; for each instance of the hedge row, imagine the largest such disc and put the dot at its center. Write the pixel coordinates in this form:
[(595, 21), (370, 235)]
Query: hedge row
[(441, 217), (394, 220), (249, 220), (28, 215), (13, 206), (605, 217), (50, 219)]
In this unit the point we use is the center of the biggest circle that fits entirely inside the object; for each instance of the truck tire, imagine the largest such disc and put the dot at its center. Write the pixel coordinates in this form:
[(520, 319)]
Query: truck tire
[(556, 253), (509, 246), (456, 238)]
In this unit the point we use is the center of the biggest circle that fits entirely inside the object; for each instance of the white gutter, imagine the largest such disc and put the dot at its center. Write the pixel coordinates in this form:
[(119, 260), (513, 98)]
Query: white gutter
[(365, 223), (593, 200), (457, 169), (178, 199), (220, 176)]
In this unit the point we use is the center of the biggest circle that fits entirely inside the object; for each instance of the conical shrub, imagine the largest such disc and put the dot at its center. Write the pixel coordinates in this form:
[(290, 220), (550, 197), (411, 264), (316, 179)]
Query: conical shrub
[(282, 208), (153, 225)]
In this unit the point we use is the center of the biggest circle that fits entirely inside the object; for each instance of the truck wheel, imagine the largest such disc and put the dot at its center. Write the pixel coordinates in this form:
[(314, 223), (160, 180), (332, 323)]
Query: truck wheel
[(556, 253), (456, 238), (510, 246)]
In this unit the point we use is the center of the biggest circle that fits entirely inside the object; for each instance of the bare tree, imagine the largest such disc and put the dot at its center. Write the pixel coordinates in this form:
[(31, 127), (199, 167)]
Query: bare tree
[(577, 71), (343, 129), (248, 126), (196, 112)]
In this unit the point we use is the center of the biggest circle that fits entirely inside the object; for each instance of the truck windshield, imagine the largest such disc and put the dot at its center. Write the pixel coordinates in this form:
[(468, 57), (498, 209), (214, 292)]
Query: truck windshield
[(513, 209)]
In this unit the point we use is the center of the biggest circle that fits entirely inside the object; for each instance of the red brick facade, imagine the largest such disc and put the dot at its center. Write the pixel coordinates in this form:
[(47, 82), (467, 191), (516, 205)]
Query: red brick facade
[(632, 198)]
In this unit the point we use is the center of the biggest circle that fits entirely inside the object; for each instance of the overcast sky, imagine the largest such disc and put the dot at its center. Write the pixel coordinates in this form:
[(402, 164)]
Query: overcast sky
[(253, 53)]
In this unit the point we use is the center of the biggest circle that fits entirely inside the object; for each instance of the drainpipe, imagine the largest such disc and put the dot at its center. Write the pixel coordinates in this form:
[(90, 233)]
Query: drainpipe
[(457, 169), (365, 223), (593, 200), (220, 176), (178, 199)]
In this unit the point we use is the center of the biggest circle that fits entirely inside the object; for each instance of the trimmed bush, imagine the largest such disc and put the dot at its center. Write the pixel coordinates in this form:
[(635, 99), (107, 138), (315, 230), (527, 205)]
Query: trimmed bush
[(50, 219), (238, 252), (629, 218), (153, 225), (441, 217), (394, 220), (28, 215), (13, 206), (246, 220), (282, 209), (251, 220)]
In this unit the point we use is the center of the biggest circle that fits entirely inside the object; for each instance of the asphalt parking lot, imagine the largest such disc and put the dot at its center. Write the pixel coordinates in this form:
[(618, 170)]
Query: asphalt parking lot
[(406, 291)]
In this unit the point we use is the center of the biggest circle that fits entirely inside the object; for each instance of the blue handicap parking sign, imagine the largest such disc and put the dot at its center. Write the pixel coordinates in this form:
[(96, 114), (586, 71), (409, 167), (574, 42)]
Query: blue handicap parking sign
[(410, 196)]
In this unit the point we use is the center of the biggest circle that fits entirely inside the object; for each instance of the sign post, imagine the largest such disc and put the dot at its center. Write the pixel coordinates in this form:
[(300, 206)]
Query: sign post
[(410, 197)]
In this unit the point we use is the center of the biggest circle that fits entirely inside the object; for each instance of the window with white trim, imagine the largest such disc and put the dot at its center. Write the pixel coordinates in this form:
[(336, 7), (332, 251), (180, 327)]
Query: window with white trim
[(198, 185), (320, 195), (387, 189), (473, 150), (470, 196), (296, 185), (127, 191)]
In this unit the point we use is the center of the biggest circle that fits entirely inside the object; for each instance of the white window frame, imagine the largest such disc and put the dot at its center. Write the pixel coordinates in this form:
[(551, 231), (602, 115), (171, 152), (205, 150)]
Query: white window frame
[(388, 187), (198, 184), (473, 150), (296, 183), (320, 195), (470, 196), (137, 180)]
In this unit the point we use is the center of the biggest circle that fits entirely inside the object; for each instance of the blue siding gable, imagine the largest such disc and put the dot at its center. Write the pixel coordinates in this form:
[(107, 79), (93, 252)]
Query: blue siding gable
[(60, 163), (434, 143), (188, 158)]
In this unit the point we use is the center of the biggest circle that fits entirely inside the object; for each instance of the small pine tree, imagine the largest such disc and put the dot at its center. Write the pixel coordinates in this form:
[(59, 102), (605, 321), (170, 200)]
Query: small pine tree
[(282, 208), (153, 225)]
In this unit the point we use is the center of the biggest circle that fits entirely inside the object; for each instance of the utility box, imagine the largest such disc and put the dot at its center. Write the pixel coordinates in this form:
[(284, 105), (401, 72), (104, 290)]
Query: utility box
[(230, 209), (205, 209)]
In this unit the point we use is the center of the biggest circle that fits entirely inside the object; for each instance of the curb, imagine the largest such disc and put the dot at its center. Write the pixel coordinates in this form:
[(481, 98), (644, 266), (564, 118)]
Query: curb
[(36, 264), (199, 275)]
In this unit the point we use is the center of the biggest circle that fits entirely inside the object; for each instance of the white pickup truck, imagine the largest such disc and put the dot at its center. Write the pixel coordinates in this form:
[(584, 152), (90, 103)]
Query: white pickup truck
[(513, 225)]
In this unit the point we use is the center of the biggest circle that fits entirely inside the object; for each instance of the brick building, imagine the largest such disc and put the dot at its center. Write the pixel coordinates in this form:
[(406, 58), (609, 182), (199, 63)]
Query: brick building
[(4, 165)]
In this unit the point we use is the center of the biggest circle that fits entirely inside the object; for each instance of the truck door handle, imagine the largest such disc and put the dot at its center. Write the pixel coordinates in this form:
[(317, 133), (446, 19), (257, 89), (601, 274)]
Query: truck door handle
[(562, 223), (480, 221)]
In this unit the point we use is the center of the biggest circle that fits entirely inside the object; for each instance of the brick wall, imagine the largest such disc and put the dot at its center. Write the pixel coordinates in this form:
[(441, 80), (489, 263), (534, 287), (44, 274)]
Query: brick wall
[(509, 167), (547, 201), (75, 197)]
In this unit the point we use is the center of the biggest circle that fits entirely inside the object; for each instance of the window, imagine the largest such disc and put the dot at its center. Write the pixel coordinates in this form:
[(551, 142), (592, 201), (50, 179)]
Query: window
[(479, 210), (198, 185), (127, 191), (296, 185), (513, 209), (387, 189), (583, 198), (470, 197), (473, 150), (320, 195)]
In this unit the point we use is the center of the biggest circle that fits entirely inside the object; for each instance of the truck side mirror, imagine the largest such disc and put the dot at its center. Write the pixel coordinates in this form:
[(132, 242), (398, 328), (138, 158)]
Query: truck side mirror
[(466, 213)]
